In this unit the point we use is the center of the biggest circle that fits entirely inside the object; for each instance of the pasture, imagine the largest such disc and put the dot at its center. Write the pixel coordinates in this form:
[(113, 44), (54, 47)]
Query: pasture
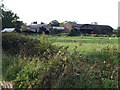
[(84, 44)]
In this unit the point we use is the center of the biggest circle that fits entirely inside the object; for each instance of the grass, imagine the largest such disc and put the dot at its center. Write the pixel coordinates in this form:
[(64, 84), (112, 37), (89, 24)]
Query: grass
[(84, 48), (83, 43)]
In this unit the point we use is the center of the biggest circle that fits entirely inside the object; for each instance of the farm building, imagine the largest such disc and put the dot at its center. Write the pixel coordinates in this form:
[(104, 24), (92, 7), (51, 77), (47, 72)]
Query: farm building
[(59, 28), (38, 28), (8, 30), (62, 29), (92, 29)]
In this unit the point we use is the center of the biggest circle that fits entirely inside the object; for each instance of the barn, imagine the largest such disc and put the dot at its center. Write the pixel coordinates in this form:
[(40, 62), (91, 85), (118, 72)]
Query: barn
[(38, 28), (92, 29)]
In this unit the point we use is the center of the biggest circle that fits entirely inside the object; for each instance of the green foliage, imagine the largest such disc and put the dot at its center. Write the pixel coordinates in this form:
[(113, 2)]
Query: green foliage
[(94, 35), (67, 70), (118, 32), (15, 44), (59, 68), (62, 24), (99, 35), (10, 20), (54, 23), (73, 32), (55, 31), (11, 66), (71, 22)]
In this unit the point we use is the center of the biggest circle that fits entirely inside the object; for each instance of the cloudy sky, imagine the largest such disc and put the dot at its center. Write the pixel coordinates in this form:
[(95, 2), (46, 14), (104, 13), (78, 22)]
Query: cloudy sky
[(83, 11)]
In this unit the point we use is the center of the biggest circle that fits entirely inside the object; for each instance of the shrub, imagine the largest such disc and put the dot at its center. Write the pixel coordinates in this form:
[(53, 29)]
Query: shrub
[(15, 44), (69, 70), (73, 32), (11, 66), (118, 32), (94, 35), (11, 43), (55, 31)]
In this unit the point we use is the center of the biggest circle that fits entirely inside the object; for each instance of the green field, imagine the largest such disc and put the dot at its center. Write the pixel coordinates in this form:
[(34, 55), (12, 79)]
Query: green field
[(83, 43)]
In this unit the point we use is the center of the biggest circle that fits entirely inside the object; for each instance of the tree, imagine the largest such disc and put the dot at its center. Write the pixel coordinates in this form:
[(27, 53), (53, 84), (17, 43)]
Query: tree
[(73, 32), (24, 26), (118, 32), (10, 19), (62, 24), (18, 25), (71, 22), (42, 23), (35, 22), (54, 23)]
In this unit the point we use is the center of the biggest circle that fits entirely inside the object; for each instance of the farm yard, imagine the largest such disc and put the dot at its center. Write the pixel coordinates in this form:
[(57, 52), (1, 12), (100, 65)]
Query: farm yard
[(45, 61)]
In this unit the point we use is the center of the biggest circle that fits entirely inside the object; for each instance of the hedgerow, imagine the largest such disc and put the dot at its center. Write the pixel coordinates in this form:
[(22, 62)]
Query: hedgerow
[(15, 44)]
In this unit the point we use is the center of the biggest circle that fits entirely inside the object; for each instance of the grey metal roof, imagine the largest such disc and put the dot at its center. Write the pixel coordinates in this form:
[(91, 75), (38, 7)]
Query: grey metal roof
[(36, 26), (90, 26), (8, 30), (77, 26), (60, 28)]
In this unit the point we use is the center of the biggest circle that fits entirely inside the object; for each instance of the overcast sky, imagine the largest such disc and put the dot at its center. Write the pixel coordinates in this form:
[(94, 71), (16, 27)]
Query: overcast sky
[(104, 12)]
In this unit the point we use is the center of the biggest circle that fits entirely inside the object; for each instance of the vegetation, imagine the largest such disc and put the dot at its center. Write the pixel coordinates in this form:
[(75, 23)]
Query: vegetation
[(58, 67), (73, 32), (55, 31), (118, 32), (83, 43), (54, 23), (10, 19), (15, 44)]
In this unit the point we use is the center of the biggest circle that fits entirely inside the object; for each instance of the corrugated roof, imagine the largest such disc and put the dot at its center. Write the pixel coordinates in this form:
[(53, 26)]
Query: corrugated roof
[(8, 30), (61, 28), (77, 26), (36, 26)]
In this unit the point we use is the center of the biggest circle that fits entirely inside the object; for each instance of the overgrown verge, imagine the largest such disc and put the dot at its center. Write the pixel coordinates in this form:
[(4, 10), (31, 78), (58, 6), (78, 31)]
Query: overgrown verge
[(58, 68)]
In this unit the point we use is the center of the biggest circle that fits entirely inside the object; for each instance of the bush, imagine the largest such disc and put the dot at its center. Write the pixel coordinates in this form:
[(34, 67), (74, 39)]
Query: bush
[(15, 44), (118, 32), (99, 35), (55, 31), (66, 70), (73, 32), (94, 35), (11, 66)]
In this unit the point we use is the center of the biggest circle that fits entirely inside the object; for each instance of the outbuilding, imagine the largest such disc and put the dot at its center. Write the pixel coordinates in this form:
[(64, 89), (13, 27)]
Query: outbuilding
[(8, 30)]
